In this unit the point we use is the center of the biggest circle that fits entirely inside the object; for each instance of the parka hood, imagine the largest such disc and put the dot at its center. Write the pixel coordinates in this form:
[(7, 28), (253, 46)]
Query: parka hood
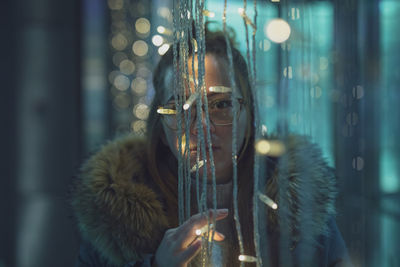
[(119, 210)]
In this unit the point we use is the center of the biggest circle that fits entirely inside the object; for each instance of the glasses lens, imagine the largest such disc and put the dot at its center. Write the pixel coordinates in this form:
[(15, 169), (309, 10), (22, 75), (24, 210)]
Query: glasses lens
[(221, 111)]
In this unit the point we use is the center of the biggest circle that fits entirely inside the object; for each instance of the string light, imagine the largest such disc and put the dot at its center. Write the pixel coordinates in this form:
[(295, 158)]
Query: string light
[(166, 111), (268, 201), (195, 45), (163, 49), (198, 166), (205, 229), (189, 102), (247, 258), (220, 89), (163, 30)]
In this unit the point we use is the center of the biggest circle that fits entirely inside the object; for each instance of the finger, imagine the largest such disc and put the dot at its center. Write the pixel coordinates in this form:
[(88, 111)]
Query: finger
[(217, 236), (187, 232), (191, 252)]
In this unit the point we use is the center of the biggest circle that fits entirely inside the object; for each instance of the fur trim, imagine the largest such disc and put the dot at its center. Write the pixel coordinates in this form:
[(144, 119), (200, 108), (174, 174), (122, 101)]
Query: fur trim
[(307, 193), (120, 214), (117, 211)]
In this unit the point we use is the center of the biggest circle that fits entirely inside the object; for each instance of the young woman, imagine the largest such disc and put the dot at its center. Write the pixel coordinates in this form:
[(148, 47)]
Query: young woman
[(126, 198)]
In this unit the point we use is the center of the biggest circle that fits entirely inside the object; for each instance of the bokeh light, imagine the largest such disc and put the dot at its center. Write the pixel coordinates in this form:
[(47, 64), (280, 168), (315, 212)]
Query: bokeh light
[(121, 82), (142, 25), (141, 111), (139, 86), (138, 127), (122, 101), (118, 57), (112, 75), (140, 48), (119, 42), (115, 4), (127, 66), (277, 30), (316, 92)]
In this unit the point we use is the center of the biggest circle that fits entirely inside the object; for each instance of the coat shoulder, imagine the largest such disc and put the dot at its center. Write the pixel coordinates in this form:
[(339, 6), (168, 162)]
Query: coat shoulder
[(115, 204)]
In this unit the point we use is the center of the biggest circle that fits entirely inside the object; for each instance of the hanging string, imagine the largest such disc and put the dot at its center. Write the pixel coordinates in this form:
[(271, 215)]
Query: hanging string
[(177, 86), (200, 37), (284, 214), (185, 71), (257, 137), (234, 137)]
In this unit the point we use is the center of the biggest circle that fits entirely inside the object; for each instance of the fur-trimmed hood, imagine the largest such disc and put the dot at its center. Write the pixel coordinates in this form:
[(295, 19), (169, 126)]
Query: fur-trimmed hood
[(120, 212)]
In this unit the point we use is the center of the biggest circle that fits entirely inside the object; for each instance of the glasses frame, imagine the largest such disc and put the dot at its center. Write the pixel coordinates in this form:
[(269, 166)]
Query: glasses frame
[(165, 112)]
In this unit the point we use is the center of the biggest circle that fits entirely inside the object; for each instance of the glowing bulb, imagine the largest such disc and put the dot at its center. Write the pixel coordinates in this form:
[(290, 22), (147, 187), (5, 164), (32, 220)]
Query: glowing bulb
[(241, 11), (163, 49), (204, 229), (190, 101), (163, 30), (198, 166), (267, 201), (195, 45), (247, 258), (157, 40), (166, 111), (220, 89), (277, 30)]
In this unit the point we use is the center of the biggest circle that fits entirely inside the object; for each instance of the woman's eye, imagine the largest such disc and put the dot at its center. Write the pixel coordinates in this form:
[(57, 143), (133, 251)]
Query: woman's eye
[(222, 104)]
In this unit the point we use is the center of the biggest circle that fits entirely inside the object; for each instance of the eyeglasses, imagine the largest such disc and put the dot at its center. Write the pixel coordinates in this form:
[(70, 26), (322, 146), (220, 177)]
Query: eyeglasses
[(220, 112)]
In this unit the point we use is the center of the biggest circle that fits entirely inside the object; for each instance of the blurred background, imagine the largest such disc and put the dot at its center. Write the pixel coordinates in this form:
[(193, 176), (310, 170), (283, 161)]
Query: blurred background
[(77, 73)]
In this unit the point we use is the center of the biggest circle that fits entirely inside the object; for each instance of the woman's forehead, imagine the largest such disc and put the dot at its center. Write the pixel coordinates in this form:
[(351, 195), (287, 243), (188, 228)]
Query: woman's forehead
[(216, 75)]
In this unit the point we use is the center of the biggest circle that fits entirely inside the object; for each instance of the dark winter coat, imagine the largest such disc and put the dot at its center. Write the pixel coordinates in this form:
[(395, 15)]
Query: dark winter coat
[(121, 216)]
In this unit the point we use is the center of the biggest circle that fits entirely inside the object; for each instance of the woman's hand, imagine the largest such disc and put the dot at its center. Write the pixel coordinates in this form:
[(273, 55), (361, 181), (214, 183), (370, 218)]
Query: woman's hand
[(180, 245)]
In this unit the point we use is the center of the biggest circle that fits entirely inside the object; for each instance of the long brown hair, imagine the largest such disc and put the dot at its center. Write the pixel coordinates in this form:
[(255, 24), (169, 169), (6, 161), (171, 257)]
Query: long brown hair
[(158, 153)]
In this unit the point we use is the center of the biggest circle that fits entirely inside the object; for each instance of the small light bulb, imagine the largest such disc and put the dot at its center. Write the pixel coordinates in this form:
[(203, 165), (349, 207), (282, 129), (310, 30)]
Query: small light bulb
[(269, 202), (166, 111), (200, 164), (190, 101), (204, 229), (247, 258), (163, 49), (220, 89)]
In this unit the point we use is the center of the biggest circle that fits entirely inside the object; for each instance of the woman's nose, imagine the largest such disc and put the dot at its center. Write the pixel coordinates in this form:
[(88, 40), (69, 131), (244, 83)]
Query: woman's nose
[(194, 126)]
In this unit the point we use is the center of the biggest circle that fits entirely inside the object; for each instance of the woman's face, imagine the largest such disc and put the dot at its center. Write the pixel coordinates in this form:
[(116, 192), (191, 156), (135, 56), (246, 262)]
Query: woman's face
[(221, 135)]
